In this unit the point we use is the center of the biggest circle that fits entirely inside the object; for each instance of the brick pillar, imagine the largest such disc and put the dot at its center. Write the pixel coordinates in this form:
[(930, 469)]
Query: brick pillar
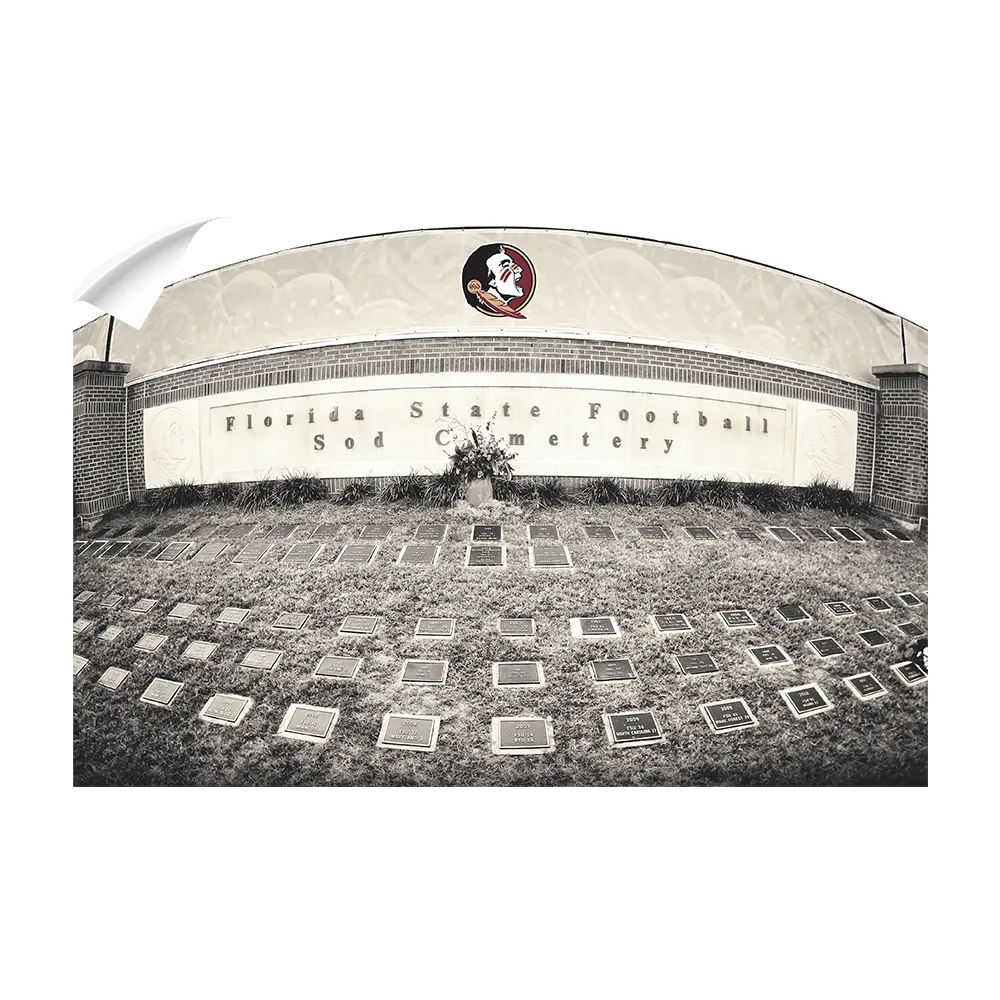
[(99, 457), (901, 441)]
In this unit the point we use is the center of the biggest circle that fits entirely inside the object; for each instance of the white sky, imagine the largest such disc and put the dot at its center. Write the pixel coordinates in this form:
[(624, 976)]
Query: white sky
[(882, 259)]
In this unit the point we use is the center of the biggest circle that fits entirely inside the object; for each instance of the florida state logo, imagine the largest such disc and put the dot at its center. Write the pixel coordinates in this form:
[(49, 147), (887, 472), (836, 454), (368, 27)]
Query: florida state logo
[(498, 280)]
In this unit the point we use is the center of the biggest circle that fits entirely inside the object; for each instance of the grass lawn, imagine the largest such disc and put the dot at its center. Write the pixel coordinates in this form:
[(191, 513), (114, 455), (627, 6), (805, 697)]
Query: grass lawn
[(120, 741)]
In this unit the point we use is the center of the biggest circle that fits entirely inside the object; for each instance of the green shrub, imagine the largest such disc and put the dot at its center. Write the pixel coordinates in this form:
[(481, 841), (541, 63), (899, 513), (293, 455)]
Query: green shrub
[(767, 497), (408, 487), (636, 496), (676, 492), (299, 488), (603, 489), (355, 491), (257, 496), (445, 488), (550, 493), (221, 493), (721, 492), (179, 494)]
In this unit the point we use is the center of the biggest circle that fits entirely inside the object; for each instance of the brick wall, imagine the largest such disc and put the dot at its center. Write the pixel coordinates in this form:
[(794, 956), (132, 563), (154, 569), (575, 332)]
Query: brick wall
[(99, 454), (541, 355), (901, 440)]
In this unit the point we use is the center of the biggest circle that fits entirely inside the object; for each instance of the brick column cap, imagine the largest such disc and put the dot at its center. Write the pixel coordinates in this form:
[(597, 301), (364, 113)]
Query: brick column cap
[(115, 367), (890, 371)]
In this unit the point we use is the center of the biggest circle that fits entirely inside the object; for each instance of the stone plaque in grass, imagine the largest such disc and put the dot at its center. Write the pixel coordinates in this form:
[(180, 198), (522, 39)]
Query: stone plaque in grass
[(143, 606), (873, 637), (238, 531), (747, 534), (146, 529), (199, 650), (232, 616), (114, 549), (670, 623), (111, 601), (210, 551), (200, 533), (357, 554), (424, 672), (701, 532), (826, 647), (793, 613), (113, 678), (693, 664), (613, 670), (91, 548), (840, 608), (430, 532), (652, 531), (226, 709), (78, 548), (910, 600), (84, 596), (879, 604), (819, 534), (865, 687), (543, 532), (359, 625), (599, 531), (441, 628), (738, 618), (81, 625), (169, 530), (173, 551), (517, 628), (79, 662), (308, 723), (303, 552), (769, 656), (375, 532), (111, 633), (518, 674), (634, 729), (911, 629), (806, 700), (344, 668), (150, 642), (278, 531), (252, 552), (261, 659), (729, 715), (897, 535), (290, 621), (549, 557), (409, 732), (594, 628), (161, 692), (486, 555), (876, 534), (849, 534), (487, 533), (418, 555), (325, 531), (521, 736), (783, 533), (142, 550), (910, 673), (182, 612)]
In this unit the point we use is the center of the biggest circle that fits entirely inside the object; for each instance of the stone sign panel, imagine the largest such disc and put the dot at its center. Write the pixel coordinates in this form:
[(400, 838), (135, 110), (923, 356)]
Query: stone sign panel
[(226, 709), (261, 659), (806, 700), (343, 668), (729, 715), (409, 732), (113, 678), (865, 687), (424, 672), (513, 735), (518, 674), (632, 729), (308, 723), (161, 692), (696, 663), (671, 623), (603, 671)]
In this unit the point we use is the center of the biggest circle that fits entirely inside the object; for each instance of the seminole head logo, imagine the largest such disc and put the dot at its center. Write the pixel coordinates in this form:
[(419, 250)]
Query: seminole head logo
[(498, 280)]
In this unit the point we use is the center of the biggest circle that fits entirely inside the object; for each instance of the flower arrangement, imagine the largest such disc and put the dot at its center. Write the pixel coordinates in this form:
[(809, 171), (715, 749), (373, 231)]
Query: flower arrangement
[(478, 453)]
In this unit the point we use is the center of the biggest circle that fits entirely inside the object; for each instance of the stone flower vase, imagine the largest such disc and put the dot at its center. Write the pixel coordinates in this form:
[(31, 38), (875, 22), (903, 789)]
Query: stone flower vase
[(479, 491)]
